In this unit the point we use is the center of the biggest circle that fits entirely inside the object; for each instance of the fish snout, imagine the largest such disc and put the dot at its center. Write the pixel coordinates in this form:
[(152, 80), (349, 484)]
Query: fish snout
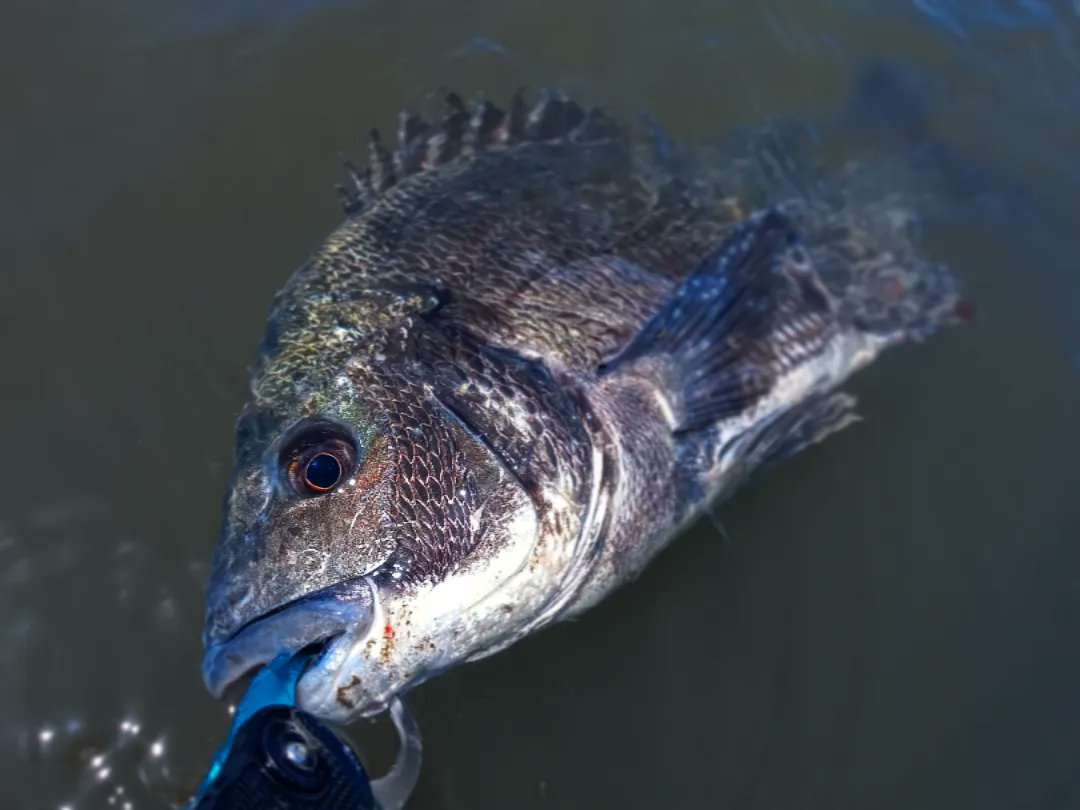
[(319, 618)]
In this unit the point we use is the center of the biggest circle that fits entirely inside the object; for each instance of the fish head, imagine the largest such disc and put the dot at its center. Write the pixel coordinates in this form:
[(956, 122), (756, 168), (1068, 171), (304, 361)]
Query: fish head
[(364, 518)]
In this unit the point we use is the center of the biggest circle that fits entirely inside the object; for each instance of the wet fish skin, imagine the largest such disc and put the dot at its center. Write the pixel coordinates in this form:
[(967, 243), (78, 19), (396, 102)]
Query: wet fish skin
[(549, 350)]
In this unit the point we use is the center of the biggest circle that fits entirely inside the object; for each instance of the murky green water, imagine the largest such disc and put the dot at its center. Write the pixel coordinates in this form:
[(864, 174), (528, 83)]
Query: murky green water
[(894, 622)]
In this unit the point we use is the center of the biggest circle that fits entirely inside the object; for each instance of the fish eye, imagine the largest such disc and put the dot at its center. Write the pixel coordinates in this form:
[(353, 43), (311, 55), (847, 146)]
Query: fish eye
[(317, 460), (322, 472)]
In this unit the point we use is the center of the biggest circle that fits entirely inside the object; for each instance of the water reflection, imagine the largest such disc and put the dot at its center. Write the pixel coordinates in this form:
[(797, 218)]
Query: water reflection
[(959, 16), (893, 626), (129, 770)]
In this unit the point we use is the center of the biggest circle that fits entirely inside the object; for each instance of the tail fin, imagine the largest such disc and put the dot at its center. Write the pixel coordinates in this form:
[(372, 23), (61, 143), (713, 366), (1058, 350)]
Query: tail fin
[(865, 254)]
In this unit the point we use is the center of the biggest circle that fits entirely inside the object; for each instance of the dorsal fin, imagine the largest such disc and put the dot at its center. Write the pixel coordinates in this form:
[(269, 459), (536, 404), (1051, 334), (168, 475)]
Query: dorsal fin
[(597, 125), (455, 116), (553, 117), (381, 164), (412, 142), (513, 125), (446, 143), (424, 147), (484, 124), (360, 195)]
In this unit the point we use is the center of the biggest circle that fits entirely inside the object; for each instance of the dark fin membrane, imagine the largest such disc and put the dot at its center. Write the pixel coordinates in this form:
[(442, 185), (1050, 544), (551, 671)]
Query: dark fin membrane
[(553, 117), (750, 312), (484, 125), (513, 126), (412, 143), (422, 146), (360, 195), (597, 125), (448, 141), (380, 164)]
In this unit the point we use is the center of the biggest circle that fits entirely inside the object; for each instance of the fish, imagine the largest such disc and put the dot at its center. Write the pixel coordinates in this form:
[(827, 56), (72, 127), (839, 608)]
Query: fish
[(541, 343)]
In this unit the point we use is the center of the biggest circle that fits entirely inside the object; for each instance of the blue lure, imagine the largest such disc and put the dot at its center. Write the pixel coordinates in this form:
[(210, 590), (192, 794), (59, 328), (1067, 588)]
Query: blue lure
[(274, 685), (277, 756)]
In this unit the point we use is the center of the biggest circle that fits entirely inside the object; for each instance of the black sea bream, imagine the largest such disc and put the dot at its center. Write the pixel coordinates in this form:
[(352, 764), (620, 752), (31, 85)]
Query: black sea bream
[(536, 348)]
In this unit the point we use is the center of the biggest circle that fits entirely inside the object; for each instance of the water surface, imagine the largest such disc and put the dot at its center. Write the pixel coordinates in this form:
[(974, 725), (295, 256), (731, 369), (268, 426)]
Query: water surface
[(893, 621)]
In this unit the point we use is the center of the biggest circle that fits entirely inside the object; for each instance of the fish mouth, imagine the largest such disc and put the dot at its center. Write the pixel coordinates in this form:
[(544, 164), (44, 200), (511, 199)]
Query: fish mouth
[(318, 620)]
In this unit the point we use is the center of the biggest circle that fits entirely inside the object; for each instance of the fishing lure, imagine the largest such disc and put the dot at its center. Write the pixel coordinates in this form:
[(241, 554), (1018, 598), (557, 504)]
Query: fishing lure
[(277, 756)]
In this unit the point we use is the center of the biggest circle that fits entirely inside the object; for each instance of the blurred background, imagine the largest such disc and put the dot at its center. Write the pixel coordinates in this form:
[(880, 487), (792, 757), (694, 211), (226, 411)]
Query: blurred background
[(892, 622)]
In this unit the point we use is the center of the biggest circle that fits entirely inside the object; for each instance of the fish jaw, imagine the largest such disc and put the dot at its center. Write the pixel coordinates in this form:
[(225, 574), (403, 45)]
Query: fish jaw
[(344, 609), (421, 630)]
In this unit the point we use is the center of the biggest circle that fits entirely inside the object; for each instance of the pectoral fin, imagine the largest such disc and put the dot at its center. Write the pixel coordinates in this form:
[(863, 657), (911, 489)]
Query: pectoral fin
[(752, 311)]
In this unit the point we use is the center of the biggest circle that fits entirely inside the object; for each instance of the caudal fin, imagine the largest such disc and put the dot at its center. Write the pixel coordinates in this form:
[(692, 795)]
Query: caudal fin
[(866, 257)]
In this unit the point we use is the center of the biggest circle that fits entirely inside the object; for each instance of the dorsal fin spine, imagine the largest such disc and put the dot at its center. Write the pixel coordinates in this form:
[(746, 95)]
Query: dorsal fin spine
[(422, 147)]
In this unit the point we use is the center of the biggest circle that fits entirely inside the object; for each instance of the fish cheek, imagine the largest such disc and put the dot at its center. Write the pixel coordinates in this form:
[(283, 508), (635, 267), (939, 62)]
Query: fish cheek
[(340, 535), (365, 538), (440, 478)]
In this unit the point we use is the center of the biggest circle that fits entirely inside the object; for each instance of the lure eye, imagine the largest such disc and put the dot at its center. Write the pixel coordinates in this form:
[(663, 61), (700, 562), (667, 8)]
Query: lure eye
[(293, 760), (317, 461)]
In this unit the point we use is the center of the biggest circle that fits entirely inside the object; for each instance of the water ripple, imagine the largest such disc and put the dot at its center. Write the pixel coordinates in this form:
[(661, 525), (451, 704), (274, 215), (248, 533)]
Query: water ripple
[(959, 16)]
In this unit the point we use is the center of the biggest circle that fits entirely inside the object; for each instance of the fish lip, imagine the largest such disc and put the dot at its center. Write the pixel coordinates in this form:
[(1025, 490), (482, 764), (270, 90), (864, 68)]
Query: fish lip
[(347, 607)]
